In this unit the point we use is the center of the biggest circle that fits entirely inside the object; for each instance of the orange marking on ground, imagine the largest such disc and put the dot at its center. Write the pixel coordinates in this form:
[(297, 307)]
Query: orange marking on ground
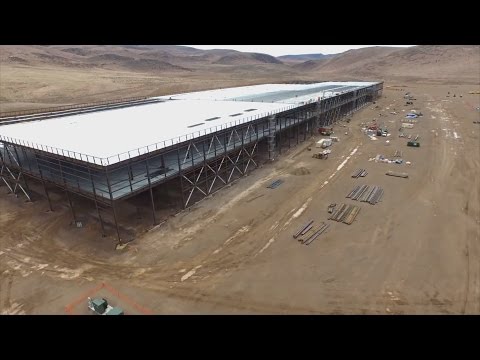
[(69, 308), (132, 303)]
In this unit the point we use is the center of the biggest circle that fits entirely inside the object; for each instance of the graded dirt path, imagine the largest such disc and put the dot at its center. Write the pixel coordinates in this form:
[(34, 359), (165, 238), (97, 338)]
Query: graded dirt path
[(415, 252)]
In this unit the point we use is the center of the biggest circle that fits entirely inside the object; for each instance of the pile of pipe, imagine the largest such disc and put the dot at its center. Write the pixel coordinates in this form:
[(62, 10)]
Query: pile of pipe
[(396, 174), (359, 173), (345, 213), (308, 233), (365, 193)]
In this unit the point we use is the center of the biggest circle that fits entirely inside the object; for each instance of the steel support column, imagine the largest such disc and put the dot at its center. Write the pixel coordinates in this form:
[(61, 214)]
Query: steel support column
[(66, 192), (43, 182), (95, 200), (112, 204), (151, 192)]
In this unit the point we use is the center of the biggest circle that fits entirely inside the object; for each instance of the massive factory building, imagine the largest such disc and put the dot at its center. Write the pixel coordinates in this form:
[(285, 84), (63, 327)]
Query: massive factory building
[(201, 141)]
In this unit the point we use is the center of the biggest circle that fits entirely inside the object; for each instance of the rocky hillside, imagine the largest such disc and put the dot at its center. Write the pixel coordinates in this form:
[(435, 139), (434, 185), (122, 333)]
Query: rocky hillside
[(41, 76), (428, 62)]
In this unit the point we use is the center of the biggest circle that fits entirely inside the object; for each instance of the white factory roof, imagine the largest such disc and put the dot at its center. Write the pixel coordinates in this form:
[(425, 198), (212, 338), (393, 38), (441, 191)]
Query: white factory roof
[(114, 135)]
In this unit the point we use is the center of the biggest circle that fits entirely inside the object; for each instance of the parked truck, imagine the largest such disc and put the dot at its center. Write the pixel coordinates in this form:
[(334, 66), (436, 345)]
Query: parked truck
[(324, 143)]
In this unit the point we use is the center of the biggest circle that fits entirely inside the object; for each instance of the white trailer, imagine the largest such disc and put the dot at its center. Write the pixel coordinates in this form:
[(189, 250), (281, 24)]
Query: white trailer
[(324, 143)]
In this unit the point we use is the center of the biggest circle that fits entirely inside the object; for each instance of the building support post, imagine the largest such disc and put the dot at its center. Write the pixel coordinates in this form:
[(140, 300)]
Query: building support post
[(43, 182), (280, 137), (95, 200), (112, 204), (272, 127), (181, 177), (66, 192), (21, 167), (151, 192)]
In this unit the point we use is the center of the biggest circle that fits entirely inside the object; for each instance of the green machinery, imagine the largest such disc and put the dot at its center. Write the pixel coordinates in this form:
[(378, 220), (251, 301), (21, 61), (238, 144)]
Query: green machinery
[(101, 307)]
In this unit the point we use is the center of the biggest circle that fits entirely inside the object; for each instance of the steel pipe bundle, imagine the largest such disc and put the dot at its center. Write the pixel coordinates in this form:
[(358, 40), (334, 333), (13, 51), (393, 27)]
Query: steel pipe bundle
[(362, 190), (353, 191), (376, 195), (375, 198), (353, 214), (396, 174), (346, 214), (365, 193), (356, 191), (316, 234), (337, 212), (359, 173), (304, 229)]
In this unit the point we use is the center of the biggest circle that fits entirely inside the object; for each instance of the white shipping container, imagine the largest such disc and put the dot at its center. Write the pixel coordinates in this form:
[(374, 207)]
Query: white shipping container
[(323, 143)]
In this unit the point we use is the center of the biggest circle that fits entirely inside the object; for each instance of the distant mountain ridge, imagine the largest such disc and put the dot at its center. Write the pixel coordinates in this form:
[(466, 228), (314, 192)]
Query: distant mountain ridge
[(58, 74), (426, 61), (304, 57)]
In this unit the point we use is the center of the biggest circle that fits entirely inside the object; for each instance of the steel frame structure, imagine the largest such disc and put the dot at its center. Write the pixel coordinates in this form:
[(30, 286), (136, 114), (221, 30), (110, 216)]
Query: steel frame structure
[(203, 164)]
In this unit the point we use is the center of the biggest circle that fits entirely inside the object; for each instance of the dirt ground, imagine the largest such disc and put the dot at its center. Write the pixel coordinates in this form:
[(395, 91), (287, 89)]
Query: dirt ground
[(415, 252), (24, 87)]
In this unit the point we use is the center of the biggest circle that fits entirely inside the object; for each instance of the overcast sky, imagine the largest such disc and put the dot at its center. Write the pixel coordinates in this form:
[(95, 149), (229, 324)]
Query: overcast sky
[(278, 50)]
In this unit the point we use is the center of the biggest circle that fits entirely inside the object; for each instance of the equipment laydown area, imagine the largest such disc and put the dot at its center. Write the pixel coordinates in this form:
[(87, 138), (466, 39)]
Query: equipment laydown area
[(303, 234)]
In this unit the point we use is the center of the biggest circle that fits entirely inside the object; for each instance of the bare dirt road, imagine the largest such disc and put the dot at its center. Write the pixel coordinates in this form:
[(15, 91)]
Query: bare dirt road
[(415, 252)]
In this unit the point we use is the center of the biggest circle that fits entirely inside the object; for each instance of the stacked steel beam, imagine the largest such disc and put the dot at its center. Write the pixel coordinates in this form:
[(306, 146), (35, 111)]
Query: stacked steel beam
[(357, 192), (316, 233), (307, 233), (365, 193), (359, 173), (345, 213), (303, 229)]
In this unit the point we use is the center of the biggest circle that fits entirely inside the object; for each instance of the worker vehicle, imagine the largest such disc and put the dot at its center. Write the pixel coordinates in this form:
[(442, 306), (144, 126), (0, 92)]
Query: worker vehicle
[(325, 131), (322, 154), (101, 307)]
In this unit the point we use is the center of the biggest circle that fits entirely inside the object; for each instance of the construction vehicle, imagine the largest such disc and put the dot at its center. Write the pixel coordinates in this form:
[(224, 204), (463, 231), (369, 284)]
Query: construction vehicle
[(101, 307), (325, 131), (322, 154), (331, 208)]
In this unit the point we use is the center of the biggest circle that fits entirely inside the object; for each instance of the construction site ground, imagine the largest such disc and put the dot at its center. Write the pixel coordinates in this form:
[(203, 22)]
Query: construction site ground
[(415, 252)]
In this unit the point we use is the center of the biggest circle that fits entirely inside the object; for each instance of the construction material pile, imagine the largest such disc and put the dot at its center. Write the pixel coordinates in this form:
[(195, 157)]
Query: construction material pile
[(345, 213), (359, 173), (396, 174), (365, 193), (308, 233), (383, 159), (275, 184), (398, 153)]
